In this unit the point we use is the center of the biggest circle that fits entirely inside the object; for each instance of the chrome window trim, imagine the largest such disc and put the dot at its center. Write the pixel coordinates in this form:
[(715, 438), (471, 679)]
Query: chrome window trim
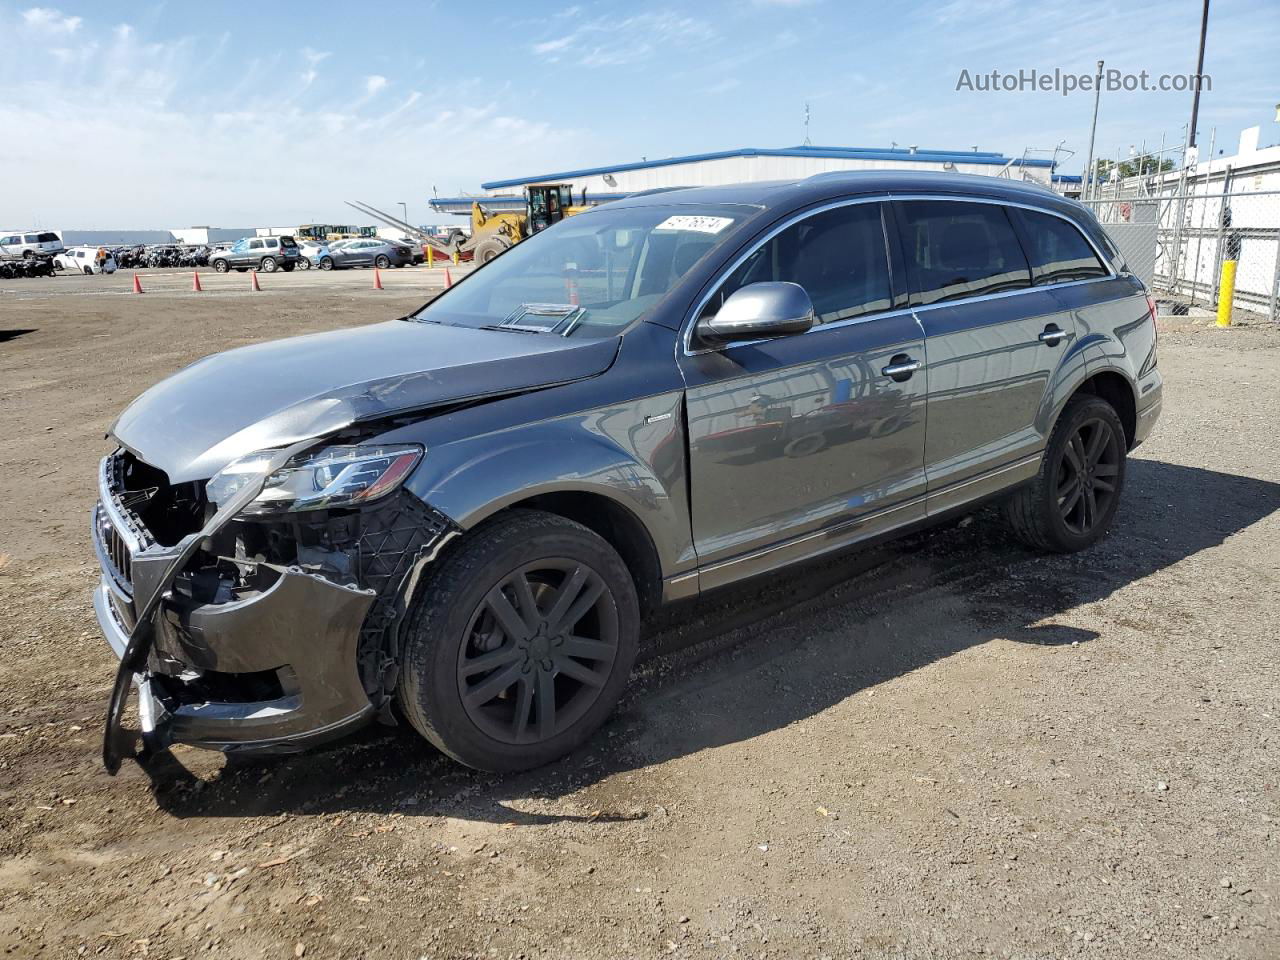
[(686, 337)]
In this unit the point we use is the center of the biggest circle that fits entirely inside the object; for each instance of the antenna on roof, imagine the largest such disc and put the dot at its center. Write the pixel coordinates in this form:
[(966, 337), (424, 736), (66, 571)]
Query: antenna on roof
[(807, 141)]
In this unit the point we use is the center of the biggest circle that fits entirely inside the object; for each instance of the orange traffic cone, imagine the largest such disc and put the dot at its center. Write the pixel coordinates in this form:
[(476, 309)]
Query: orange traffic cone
[(195, 282), (253, 284), (137, 284), (377, 279), (448, 278)]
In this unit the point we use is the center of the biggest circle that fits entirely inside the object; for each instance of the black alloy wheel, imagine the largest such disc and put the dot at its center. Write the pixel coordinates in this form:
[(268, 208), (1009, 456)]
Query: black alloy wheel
[(1087, 470), (1074, 496), (538, 651), (519, 642)]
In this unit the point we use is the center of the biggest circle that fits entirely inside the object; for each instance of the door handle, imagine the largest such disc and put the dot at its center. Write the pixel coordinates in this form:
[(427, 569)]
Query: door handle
[(900, 367), (1052, 335)]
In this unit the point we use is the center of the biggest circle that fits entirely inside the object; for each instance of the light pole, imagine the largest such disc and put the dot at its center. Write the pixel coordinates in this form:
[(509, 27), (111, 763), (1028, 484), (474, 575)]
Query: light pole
[(405, 207), (1093, 129), (1195, 100)]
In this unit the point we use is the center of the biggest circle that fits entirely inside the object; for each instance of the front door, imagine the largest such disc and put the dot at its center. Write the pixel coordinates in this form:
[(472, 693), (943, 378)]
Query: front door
[(804, 441)]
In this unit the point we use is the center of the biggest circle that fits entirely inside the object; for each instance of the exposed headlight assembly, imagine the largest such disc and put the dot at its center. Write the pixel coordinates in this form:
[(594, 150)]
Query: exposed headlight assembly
[(338, 476)]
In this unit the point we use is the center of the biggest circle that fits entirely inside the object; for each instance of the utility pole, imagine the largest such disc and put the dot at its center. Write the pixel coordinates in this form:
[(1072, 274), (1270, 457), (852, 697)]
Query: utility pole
[(1093, 130), (1195, 99)]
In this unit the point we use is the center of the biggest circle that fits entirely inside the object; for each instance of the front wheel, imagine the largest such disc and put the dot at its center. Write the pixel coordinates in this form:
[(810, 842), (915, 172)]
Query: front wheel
[(219, 266), (521, 643), (304, 264), (1073, 498)]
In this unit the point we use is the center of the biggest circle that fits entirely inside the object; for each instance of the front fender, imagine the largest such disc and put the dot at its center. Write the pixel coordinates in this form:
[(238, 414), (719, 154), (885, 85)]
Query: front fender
[(630, 453)]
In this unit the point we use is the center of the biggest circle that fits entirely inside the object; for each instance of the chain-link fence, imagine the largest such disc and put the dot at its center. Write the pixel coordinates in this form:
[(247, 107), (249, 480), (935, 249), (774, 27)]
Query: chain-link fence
[(1178, 243)]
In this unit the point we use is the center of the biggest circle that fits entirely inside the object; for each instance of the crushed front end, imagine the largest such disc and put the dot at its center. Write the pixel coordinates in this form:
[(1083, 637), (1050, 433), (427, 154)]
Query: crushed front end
[(270, 631)]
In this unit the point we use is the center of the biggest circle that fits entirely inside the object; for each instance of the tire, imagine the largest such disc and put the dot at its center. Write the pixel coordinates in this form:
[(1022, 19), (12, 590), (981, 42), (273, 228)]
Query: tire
[(89, 271), (219, 266), (304, 264), (1063, 509), (486, 250), (382, 262), (453, 625), (268, 265), (287, 267), (326, 263)]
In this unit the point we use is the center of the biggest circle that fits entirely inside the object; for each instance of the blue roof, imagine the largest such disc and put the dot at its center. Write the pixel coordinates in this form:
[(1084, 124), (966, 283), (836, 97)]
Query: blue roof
[(1067, 178), (822, 153)]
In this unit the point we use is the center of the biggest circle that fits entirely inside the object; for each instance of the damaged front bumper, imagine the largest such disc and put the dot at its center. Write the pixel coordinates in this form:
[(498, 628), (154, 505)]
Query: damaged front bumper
[(250, 637), (295, 642)]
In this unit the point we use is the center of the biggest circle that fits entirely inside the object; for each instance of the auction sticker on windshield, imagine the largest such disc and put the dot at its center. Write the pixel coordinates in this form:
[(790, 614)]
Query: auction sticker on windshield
[(695, 224)]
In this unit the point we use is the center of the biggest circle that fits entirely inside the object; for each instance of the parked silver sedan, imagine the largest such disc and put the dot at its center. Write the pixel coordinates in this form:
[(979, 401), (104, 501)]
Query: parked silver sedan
[(368, 252)]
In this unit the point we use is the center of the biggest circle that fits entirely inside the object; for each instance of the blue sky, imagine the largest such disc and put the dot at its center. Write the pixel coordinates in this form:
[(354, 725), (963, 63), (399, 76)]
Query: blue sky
[(161, 115)]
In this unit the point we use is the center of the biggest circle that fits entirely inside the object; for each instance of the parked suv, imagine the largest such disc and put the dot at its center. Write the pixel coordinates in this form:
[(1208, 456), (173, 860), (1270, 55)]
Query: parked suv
[(267, 254), (461, 517), (35, 244)]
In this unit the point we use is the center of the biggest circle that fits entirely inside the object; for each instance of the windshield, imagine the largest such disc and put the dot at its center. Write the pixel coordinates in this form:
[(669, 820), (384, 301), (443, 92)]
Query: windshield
[(590, 275)]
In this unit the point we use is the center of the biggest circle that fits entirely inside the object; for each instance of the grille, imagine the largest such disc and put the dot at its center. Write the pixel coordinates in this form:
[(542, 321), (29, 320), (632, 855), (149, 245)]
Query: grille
[(116, 557)]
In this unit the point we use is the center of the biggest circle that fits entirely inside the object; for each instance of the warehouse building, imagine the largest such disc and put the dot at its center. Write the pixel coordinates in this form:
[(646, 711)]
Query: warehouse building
[(601, 184)]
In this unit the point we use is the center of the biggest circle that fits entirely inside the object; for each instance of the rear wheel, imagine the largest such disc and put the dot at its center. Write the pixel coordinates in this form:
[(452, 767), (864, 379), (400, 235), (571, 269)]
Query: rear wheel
[(382, 262), (1073, 499), (326, 263), (268, 265), (521, 644)]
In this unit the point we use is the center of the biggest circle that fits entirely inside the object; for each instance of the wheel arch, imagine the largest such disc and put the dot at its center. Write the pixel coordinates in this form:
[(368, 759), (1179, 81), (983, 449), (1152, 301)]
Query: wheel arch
[(1115, 388), (617, 525)]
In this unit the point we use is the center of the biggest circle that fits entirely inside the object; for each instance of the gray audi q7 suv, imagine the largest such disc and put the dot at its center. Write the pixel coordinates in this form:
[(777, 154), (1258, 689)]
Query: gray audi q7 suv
[(460, 518)]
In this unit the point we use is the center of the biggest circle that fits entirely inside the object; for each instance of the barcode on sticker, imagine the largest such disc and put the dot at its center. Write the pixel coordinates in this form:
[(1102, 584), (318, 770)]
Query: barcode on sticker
[(695, 224)]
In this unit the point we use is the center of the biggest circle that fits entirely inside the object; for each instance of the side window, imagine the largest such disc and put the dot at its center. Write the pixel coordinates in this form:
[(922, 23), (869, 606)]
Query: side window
[(272, 243), (956, 249), (838, 256), (33, 238), (1059, 252), (255, 244)]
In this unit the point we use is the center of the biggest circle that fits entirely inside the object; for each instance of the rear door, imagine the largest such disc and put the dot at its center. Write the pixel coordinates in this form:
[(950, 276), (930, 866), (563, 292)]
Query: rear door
[(995, 345), (807, 433)]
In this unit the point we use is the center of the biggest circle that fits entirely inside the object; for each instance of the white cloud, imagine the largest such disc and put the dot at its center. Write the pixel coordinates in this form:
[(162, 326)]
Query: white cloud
[(314, 57), (192, 147), (54, 21), (612, 42)]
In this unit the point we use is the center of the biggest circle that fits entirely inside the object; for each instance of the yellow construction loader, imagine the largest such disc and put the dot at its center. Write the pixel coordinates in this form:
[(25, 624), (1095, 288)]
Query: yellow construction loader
[(492, 233)]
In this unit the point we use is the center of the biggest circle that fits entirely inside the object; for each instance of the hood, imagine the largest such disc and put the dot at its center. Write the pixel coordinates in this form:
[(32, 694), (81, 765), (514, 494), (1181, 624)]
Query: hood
[(271, 394)]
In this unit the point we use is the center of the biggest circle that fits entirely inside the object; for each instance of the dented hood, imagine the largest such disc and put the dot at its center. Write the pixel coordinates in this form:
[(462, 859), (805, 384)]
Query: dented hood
[(268, 395)]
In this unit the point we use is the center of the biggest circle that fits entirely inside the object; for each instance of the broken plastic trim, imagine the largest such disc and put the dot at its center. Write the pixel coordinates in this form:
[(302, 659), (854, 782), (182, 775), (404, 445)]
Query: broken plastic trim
[(116, 745)]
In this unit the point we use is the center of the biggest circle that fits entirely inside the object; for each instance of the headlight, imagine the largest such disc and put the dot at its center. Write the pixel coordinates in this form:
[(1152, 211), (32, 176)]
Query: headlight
[(339, 476)]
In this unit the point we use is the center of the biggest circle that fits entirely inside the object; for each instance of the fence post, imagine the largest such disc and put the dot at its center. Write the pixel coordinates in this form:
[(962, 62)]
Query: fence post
[(1226, 292), (1219, 254), (1274, 312)]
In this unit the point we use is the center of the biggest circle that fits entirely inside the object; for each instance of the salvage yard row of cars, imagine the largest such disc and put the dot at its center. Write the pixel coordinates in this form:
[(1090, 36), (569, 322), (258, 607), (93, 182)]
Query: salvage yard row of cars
[(42, 254)]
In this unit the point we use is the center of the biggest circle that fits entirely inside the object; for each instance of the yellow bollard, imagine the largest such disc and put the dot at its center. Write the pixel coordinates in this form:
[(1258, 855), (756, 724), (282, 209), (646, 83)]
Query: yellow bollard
[(1226, 292), (455, 258), (431, 256)]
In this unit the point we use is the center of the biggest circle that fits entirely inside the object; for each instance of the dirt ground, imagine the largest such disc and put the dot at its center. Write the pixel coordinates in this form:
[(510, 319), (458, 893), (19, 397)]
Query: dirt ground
[(947, 747)]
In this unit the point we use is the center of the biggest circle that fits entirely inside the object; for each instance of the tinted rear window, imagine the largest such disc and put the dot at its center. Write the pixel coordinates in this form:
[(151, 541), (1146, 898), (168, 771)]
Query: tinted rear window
[(1059, 253), (956, 249), (46, 238), (288, 242)]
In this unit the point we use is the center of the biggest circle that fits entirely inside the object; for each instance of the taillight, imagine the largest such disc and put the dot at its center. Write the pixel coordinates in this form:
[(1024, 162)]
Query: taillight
[(1151, 305)]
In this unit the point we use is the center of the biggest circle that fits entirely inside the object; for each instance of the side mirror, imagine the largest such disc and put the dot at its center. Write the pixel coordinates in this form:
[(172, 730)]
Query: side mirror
[(758, 311)]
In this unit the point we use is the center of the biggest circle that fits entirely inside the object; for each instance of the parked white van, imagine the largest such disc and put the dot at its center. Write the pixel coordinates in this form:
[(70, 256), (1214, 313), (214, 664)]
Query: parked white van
[(86, 260)]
